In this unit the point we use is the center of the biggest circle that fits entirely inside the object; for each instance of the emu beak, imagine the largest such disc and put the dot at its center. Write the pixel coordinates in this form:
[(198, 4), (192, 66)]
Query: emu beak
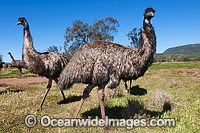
[(18, 23), (152, 14)]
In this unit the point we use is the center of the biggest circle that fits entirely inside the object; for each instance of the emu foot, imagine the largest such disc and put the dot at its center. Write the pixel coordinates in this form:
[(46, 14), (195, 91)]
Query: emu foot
[(39, 109), (64, 99)]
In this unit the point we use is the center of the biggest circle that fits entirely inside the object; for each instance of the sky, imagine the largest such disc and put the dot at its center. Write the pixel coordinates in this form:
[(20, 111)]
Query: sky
[(176, 22)]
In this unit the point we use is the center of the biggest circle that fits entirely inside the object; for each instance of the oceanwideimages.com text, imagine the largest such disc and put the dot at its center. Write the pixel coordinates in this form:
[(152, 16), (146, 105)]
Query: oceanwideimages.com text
[(47, 121)]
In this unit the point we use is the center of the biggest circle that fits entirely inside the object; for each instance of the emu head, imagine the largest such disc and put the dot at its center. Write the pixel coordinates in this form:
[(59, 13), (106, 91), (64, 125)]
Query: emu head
[(9, 53), (149, 13), (23, 22)]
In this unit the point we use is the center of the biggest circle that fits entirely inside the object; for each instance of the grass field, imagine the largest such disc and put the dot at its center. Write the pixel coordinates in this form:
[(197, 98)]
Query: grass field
[(13, 72), (175, 65), (181, 91)]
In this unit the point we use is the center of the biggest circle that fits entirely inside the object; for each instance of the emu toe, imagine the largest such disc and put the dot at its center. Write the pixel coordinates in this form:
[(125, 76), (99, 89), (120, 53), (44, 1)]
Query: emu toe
[(39, 109)]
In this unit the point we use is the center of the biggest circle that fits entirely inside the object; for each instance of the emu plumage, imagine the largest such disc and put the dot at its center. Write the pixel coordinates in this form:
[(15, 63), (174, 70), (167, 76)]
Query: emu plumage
[(101, 63), (48, 64)]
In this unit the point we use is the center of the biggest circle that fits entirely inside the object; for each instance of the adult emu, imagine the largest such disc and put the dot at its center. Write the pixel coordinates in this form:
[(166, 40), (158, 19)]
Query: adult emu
[(48, 64), (101, 63), (17, 63)]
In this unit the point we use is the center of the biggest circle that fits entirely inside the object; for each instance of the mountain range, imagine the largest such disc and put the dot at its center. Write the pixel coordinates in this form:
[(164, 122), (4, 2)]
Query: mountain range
[(184, 49)]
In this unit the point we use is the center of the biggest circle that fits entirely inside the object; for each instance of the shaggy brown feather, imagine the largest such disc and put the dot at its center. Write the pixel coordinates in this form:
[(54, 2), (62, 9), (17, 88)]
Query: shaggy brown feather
[(101, 62), (48, 64)]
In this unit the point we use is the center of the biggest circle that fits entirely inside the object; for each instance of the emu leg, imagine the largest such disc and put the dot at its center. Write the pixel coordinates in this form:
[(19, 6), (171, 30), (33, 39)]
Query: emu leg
[(126, 85), (47, 90), (102, 105), (86, 93), (20, 72), (101, 101), (130, 88), (64, 98)]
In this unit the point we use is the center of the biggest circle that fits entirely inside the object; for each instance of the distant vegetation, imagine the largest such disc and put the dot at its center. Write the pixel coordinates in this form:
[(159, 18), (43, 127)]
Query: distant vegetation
[(177, 57), (54, 49), (185, 49), (185, 53), (0, 57)]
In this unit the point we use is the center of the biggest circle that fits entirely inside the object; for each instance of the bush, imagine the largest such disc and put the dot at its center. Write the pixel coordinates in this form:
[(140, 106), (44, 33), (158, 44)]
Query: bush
[(163, 100), (110, 93)]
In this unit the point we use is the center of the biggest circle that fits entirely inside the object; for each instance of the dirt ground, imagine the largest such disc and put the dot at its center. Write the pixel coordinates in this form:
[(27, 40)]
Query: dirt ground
[(184, 69), (22, 81)]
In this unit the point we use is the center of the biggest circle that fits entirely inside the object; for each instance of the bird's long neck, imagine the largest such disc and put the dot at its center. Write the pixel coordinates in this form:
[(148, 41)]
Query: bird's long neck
[(148, 49), (28, 43), (12, 58)]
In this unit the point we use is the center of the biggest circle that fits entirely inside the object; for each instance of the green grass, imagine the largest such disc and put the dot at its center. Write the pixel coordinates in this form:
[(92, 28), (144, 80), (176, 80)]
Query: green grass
[(16, 102), (13, 72), (3, 85), (175, 65)]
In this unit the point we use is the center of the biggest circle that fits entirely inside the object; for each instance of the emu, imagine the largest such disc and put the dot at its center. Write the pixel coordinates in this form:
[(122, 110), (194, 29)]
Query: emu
[(48, 64), (101, 63), (17, 63)]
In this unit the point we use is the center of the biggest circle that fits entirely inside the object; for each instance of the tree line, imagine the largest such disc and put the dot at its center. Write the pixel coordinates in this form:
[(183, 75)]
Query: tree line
[(177, 57)]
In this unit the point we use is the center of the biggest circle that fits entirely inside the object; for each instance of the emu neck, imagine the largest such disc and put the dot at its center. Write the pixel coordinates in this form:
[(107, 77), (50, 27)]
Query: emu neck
[(28, 44), (147, 51), (12, 58)]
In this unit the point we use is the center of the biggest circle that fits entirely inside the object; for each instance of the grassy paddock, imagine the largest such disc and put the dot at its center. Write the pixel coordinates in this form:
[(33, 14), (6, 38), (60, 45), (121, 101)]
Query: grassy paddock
[(175, 65), (14, 73), (179, 89)]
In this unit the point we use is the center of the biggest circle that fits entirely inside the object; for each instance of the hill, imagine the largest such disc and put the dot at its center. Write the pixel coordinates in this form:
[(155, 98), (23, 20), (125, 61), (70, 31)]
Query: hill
[(185, 49)]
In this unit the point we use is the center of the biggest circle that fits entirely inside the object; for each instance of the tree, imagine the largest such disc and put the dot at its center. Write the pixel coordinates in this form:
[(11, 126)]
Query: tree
[(54, 49), (135, 37), (81, 33), (0, 58), (104, 29)]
